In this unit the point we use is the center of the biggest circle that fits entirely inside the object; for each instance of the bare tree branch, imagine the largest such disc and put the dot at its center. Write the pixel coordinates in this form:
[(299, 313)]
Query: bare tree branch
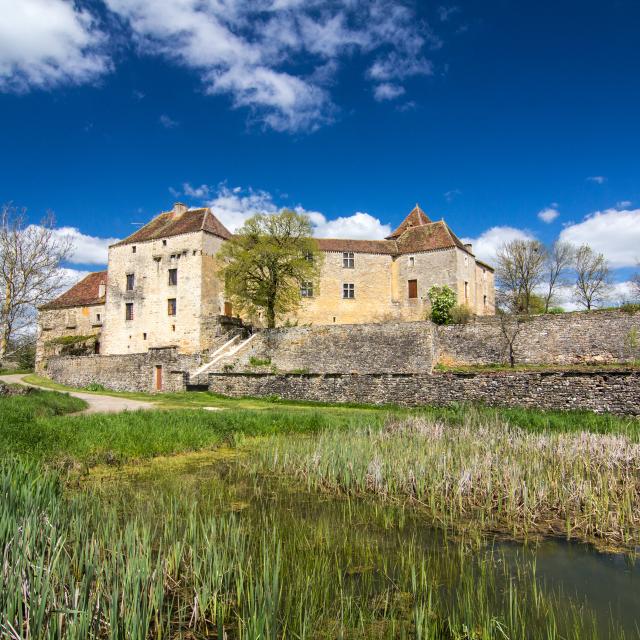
[(30, 274), (593, 278), (560, 257)]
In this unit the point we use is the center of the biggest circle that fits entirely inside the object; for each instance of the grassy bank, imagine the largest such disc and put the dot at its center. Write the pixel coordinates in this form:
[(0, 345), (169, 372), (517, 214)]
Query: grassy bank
[(139, 565), (481, 474)]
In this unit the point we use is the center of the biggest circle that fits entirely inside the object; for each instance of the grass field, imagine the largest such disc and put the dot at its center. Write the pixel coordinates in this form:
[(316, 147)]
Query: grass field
[(164, 555)]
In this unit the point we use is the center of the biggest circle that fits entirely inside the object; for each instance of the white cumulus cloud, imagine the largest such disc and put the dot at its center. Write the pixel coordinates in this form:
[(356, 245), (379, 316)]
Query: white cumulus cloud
[(549, 214), (486, 245), (47, 43), (358, 226), (277, 57), (387, 91), (612, 232), (86, 249)]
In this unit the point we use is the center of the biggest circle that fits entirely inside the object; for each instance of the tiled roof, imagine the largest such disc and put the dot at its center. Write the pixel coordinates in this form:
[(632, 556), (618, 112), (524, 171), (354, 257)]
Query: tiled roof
[(435, 235), (84, 293), (171, 223), (357, 246), (416, 218)]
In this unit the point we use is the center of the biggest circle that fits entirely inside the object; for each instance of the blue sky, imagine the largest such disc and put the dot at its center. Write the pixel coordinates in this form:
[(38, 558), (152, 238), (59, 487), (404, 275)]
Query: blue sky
[(507, 118)]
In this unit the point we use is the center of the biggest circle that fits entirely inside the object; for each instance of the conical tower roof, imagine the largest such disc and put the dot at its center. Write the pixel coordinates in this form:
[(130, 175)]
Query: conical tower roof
[(417, 218)]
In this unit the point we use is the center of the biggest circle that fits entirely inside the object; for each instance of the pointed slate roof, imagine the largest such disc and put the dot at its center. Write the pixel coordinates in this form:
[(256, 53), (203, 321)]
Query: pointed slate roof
[(83, 294), (174, 223), (416, 218)]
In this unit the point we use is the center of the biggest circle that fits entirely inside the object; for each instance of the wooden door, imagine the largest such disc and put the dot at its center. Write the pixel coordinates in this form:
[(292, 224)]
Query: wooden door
[(159, 377), (413, 288), (228, 309)]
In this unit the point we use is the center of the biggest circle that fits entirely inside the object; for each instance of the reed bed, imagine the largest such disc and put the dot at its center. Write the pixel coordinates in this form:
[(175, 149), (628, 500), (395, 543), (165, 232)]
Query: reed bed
[(137, 565), (481, 473)]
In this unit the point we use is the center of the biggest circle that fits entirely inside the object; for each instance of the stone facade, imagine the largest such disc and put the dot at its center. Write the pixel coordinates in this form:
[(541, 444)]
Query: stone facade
[(145, 267), (400, 347), (152, 371), (59, 323), (568, 338), (600, 391), (162, 288)]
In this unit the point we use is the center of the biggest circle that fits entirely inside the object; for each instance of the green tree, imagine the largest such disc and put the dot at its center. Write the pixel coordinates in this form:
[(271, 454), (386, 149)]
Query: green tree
[(267, 261), (443, 299)]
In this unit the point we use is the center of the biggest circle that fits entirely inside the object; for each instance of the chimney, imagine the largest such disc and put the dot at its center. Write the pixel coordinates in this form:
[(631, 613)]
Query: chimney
[(178, 209), (469, 247)]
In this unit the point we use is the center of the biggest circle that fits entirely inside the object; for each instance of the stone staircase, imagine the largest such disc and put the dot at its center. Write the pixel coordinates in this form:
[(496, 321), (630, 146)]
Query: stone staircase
[(229, 349)]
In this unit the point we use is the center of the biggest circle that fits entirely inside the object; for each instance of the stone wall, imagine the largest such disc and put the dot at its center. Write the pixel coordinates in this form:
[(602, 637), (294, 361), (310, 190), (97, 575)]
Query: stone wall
[(568, 338), (363, 348), (127, 372), (599, 391)]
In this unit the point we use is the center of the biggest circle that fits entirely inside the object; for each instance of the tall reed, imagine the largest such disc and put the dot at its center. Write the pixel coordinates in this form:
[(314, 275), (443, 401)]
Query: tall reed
[(140, 563)]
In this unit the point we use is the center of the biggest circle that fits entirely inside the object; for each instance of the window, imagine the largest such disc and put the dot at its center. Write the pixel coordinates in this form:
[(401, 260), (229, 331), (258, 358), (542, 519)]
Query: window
[(413, 288), (308, 257), (131, 281), (133, 249), (485, 301), (171, 306), (348, 261), (164, 243), (144, 336), (466, 291), (98, 317), (173, 277), (306, 290), (412, 261), (128, 311), (348, 291)]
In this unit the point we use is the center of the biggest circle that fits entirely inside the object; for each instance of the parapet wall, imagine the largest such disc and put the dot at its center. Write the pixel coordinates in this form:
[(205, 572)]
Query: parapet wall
[(402, 347), (567, 338), (130, 372), (599, 391)]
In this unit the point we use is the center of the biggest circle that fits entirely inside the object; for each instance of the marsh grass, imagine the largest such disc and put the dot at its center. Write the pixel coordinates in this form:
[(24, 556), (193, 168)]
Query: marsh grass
[(130, 564), (483, 474)]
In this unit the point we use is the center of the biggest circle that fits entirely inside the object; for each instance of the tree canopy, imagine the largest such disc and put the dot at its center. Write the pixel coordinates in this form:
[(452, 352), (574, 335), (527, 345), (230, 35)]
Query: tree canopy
[(268, 261)]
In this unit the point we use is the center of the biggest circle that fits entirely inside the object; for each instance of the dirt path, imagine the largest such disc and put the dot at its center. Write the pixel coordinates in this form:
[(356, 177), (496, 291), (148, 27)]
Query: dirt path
[(97, 403)]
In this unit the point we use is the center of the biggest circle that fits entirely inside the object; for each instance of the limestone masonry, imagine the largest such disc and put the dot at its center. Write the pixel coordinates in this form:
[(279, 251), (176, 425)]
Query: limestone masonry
[(161, 288)]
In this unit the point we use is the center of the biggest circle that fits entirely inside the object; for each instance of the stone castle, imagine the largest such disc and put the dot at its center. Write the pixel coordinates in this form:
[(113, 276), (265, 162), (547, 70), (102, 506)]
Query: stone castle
[(161, 289)]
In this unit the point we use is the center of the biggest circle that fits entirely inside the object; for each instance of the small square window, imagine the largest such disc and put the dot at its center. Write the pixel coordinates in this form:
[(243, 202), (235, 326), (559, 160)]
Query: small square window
[(98, 316), (164, 243), (348, 291), (171, 306), (173, 277), (308, 257), (348, 260), (144, 336), (133, 249), (412, 261), (306, 290), (173, 328), (131, 281), (128, 311)]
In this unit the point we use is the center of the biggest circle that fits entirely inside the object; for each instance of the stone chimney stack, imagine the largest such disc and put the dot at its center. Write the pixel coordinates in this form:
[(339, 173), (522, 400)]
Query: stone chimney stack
[(179, 209), (469, 247)]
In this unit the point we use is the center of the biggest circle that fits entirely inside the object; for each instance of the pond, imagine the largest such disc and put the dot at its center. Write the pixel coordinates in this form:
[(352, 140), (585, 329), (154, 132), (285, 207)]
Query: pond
[(355, 568)]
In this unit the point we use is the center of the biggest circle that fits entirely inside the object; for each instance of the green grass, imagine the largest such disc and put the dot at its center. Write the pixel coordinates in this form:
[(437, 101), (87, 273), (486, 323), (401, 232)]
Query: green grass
[(5, 372)]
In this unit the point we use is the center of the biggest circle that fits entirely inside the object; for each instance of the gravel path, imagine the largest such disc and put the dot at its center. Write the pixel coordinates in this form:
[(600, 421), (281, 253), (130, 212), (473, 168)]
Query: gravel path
[(97, 403)]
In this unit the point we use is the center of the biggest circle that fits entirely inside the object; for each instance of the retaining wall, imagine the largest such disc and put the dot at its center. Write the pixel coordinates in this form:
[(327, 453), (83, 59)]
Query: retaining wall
[(131, 372), (599, 391), (567, 338), (405, 347)]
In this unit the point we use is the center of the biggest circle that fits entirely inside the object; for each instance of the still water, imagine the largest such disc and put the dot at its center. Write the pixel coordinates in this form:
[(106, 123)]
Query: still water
[(373, 550)]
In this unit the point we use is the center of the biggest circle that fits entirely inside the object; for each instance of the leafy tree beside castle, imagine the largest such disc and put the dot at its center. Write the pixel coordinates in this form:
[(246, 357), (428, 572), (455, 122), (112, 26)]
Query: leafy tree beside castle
[(443, 300), (268, 261)]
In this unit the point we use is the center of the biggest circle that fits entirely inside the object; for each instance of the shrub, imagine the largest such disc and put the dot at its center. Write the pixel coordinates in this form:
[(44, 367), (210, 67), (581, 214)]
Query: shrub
[(630, 307), (259, 362), (556, 310), (94, 386), (460, 314), (443, 299)]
